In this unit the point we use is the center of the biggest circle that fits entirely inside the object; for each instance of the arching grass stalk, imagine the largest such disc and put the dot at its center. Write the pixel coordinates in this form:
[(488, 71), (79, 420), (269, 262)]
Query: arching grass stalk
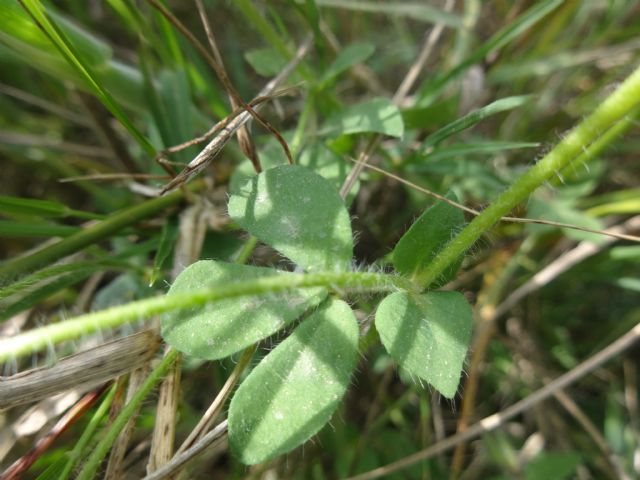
[(35, 340), (619, 104), (103, 447)]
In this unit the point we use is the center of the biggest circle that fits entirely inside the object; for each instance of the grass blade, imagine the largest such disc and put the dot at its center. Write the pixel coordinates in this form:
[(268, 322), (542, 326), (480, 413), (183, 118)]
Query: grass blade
[(35, 9), (474, 117)]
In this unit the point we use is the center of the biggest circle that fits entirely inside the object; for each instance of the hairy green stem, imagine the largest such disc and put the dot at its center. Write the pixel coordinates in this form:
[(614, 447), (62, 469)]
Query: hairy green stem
[(619, 104), (13, 269), (598, 146), (35, 340), (58, 270), (103, 447)]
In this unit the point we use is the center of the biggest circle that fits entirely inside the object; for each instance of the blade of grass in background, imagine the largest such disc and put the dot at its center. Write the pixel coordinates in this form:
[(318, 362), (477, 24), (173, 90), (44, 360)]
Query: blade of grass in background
[(33, 207), (474, 117), (68, 51), (524, 22), (414, 10), (13, 269)]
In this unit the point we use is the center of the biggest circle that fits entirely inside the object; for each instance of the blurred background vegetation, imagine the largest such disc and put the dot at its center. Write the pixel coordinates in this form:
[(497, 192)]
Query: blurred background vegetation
[(153, 90)]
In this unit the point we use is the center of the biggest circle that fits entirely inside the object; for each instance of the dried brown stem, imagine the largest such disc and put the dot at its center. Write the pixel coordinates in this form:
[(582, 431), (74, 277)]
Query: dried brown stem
[(214, 437), (85, 369), (231, 126), (244, 138), (220, 73), (76, 412)]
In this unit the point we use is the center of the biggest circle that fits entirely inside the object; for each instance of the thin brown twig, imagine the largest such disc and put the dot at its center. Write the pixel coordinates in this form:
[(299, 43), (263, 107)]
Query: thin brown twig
[(214, 437), (244, 138), (115, 468), (224, 122), (216, 406), (220, 73), (214, 147), (113, 176), (496, 420), (164, 428)]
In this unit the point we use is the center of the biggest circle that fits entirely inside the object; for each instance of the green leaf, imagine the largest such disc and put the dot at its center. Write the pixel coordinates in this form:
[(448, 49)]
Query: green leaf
[(474, 117), (552, 466), (626, 254), (298, 213), (426, 237), (122, 289), (89, 267), (351, 55), (31, 207), (176, 122), (628, 283), (12, 306), (378, 115), (476, 148), (414, 10), (265, 61), (427, 334), (168, 239), (558, 210), (224, 327), (316, 156), (294, 391), (54, 471)]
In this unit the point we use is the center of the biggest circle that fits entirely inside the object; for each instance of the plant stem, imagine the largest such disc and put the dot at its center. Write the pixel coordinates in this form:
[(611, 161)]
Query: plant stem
[(613, 109), (94, 461), (17, 267), (40, 338), (596, 148), (244, 253)]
